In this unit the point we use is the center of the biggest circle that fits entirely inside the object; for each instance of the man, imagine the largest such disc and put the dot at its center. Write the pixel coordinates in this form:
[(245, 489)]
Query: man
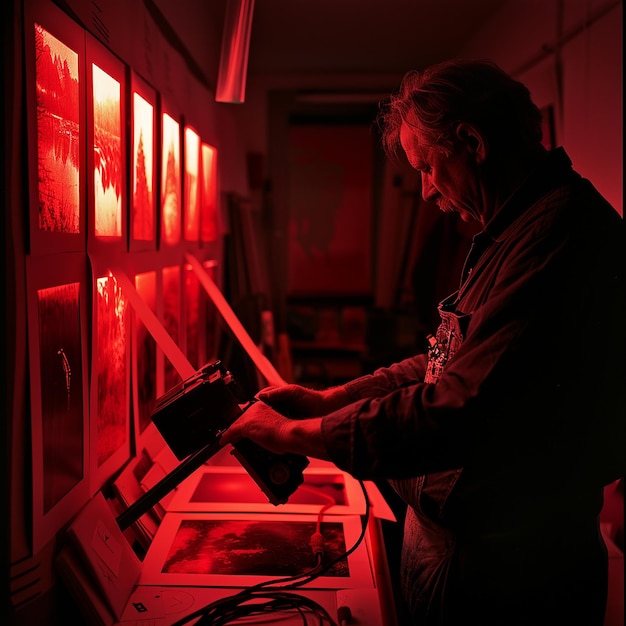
[(501, 436)]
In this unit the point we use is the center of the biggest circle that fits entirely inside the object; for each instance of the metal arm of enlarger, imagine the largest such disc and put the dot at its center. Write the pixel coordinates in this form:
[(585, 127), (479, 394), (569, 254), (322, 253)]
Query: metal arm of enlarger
[(166, 484)]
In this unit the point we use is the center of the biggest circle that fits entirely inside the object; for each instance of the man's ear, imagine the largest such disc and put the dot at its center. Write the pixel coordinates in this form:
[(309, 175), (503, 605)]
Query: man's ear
[(473, 139)]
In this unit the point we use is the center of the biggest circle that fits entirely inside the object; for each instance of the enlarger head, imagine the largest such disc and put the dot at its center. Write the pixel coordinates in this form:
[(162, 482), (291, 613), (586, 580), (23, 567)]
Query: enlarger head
[(191, 416)]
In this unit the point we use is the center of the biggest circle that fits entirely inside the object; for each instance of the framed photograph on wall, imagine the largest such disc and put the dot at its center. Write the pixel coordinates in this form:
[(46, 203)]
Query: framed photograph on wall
[(59, 397), (239, 550), (171, 184), (191, 185), (194, 315), (200, 317), (209, 193), (214, 324), (142, 224), (106, 155), (172, 316), (146, 385), (55, 113), (110, 428)]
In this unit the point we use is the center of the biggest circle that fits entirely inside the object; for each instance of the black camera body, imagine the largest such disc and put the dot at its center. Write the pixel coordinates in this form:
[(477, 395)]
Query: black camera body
[(193, 414)]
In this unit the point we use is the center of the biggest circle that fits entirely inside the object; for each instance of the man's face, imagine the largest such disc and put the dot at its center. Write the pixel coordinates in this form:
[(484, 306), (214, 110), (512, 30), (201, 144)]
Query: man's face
[(450, 181)]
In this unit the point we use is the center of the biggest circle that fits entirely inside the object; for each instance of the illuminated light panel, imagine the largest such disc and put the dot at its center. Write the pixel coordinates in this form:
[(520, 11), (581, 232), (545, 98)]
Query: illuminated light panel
[(233, 69), (208, 193), (107, 154), (170, 181), (58, 134), (191, 219), (142, 175)]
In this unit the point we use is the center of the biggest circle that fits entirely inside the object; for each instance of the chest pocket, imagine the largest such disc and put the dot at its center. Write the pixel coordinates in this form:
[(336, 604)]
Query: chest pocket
[(447, 340)]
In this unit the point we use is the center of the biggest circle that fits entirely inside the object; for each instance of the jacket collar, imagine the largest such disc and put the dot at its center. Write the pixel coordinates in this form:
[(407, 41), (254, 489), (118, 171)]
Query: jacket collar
[(551, 172)]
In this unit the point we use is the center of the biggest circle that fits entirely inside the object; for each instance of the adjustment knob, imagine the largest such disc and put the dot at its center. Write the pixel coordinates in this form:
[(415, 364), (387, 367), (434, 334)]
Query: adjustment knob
[(279, 473)]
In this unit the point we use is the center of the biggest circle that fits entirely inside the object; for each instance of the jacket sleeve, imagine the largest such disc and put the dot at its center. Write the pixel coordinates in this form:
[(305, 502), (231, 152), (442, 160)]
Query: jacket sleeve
[(386, 379)]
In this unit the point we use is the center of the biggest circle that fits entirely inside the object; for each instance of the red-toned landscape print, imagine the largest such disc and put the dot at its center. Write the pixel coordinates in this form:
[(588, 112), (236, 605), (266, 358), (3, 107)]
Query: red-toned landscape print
[(208, 193), (107, 154), (112, 387), (170, 181), (58, 134), (61, 391), (143, 164), (191, 219), (249, 547)]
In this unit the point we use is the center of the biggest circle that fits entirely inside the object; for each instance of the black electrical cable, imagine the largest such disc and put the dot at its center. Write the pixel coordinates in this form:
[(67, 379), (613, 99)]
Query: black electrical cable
[(279, 595), (275, 601)]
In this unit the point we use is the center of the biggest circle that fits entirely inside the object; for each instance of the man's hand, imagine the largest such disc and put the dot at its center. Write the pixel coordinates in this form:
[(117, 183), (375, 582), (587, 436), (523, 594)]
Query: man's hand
[(297, 401), (277, 433)]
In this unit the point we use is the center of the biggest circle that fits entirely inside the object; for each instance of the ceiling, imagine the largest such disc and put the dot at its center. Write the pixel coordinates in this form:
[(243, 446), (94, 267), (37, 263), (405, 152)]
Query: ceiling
[(360, 36), (333, 37)]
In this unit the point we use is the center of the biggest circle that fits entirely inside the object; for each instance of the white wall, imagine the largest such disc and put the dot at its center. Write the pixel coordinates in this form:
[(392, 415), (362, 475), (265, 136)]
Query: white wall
[(574, 62)]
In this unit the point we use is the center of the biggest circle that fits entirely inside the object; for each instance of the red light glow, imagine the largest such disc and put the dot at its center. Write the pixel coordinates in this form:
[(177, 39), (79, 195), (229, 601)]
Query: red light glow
[(143, 165), (238, 487), (208, 195), (330, 226), (107, 154), (170, 181), (191, 219), (231, 81)]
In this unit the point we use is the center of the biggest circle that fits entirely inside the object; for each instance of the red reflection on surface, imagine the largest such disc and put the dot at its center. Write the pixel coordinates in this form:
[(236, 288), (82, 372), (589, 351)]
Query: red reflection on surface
[(111, 361), (58, 134), (191, 219), (208, 193), (170, 181), (61, 391), (238, 487), (107, 154), (143, 164), (171, 317)]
